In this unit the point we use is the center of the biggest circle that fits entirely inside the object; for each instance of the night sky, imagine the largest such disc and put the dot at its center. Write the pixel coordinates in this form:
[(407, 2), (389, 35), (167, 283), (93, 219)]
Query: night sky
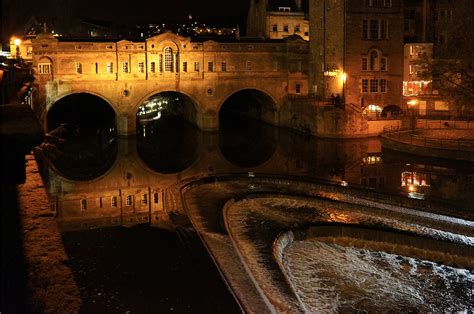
[(16, 13)]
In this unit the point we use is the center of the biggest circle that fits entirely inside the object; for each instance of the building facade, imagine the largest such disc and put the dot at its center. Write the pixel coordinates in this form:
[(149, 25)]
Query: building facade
[(277, 19), (357, 52), (126, 73)]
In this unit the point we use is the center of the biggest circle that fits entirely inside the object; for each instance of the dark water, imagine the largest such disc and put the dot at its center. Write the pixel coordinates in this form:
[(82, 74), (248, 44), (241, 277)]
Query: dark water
[(144, 269)]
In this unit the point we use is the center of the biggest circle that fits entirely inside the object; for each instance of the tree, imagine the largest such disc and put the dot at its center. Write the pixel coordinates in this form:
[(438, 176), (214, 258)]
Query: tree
[(452, 68)]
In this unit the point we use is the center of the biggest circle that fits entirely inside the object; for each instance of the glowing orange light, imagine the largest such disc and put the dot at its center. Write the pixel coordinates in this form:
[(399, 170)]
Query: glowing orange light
[(16, 41)]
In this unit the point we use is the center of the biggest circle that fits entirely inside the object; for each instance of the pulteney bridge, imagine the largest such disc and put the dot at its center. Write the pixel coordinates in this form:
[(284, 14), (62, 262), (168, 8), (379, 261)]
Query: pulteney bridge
[(207, 75)]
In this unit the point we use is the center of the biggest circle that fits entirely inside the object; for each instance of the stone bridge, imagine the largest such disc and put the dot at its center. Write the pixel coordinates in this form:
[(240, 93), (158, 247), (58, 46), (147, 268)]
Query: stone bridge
[(206, 75)]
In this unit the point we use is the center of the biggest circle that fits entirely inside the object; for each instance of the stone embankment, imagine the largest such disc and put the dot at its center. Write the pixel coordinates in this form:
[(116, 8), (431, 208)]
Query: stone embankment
[(50, 282)]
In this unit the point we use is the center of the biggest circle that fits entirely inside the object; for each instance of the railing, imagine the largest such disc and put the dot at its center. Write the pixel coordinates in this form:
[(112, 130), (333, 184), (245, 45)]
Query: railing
[(408, 137)]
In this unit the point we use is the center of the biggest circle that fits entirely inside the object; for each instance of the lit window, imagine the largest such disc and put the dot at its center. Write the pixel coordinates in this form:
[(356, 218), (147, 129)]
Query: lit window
[(124, 67), (185, 66), (129, 200), (383, 85), (168, 59), (78, 68), (196, 66), (141, 67), (153, 67), (83, 204), (210, 66), (110, 67), (224, 66), (144, 199), (248, 65), (365, 86), (374, 86), (44, 68), (113, 201)]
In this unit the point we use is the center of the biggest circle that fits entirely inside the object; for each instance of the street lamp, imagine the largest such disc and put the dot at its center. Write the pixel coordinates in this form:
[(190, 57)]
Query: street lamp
[(413, 103)]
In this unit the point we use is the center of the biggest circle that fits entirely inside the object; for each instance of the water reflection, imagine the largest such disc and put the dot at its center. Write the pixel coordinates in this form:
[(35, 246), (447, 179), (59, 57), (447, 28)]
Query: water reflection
[(173, 150), (168, 145), (79, 155), (245, 142)]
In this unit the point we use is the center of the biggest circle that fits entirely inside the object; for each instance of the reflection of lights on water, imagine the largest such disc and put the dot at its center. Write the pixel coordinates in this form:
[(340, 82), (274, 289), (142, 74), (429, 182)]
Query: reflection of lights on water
[(416, 195)]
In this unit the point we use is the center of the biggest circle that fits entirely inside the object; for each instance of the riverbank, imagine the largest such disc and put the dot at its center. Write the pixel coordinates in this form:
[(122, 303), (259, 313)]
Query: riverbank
[(35, 266)]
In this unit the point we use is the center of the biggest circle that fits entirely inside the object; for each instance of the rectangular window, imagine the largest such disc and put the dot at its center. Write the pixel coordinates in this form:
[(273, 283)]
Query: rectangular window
[(96, 68), (100, 202), (44, 68), (383, 85), (210, 66), (155, 198), (374, 86), (364, 64), (78, 68), (144, 199), (129, 200), (113, 201), (83, 204), (224, 66), (196, 66), (160, 63), (153, 67), (274, 28), (374, 29), (365, 29), (365, 86), (297, 28), (298, 88), (383, 64), (248, 65), (383, 29), (124, 67), (141, 67), (185, 66), (285, 28), (110, 67)]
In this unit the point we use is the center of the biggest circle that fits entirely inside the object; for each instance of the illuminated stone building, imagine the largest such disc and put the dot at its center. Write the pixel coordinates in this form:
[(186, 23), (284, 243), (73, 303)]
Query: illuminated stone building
[(277, 19), (127, 73), (357, 53)]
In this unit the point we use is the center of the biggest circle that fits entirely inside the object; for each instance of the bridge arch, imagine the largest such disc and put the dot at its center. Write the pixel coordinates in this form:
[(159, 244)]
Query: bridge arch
[(250, 102), (53, 112), (167, 141), (191, 112)]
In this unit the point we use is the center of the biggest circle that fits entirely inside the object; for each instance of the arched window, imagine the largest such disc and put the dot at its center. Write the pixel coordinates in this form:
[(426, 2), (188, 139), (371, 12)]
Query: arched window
[(374, 60), (168, 59)]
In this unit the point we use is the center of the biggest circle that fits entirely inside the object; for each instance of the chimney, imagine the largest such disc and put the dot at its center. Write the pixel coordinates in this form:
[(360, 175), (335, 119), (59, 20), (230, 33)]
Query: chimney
[(298, 5)]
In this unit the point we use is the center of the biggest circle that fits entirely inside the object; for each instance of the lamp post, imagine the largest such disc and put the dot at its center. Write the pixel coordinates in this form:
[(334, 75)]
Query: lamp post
[(412, 103)]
